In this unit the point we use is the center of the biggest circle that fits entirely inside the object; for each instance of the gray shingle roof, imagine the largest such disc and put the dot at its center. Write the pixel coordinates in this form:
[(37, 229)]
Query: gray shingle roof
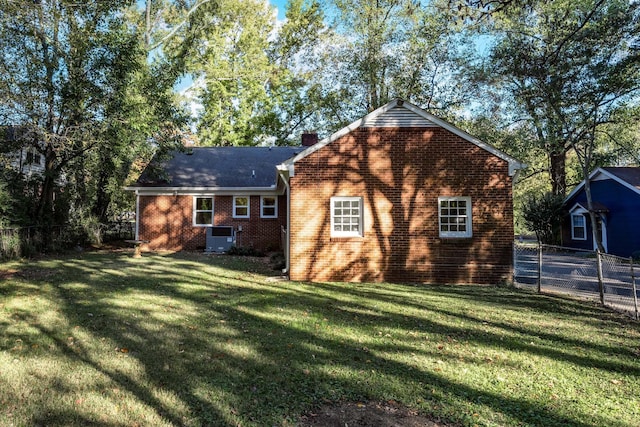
[(219, 167), (631, 175)]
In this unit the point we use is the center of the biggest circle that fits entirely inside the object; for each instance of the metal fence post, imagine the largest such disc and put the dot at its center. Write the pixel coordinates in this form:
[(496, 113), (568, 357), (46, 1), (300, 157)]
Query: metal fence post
[(633, 288), (600, 277), (539, 266)]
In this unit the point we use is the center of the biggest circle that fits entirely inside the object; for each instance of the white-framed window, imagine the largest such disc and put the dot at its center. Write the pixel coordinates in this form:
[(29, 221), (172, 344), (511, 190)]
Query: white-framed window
[(454, 216), (241, 206), (269, 207), (346, 216), (202, 211), (578, 227)]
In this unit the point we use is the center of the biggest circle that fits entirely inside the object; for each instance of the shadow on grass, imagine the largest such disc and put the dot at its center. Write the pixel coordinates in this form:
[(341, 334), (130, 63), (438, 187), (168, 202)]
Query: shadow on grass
[(234, 347)]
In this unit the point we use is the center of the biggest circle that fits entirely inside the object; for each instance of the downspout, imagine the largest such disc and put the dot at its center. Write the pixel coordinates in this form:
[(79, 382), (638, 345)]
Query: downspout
[(287, 258), (284, 172), (137, 236)]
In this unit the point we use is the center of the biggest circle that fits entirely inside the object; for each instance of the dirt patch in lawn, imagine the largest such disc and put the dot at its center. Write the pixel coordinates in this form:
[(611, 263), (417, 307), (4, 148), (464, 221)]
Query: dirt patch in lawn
[(372, 414)]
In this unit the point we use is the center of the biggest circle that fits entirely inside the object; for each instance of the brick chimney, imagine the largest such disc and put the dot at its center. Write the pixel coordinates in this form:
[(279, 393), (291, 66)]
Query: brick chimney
[(309, 139)]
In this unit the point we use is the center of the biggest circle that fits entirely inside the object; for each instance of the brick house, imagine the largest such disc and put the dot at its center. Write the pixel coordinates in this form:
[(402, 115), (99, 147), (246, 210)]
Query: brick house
[(398, 195), (177, 200)]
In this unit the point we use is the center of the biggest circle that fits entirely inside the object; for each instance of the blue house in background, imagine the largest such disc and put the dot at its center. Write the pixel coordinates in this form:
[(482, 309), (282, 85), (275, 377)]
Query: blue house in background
[(615, 193)]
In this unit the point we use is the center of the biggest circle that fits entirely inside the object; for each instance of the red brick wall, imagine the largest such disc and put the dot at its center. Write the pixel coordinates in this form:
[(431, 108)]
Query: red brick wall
[(167, 222), (400, 173)]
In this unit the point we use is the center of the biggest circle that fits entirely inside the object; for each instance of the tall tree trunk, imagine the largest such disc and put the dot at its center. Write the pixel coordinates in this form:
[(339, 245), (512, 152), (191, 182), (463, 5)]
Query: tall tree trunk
[(102, 197), (557, 172), (44, 212)]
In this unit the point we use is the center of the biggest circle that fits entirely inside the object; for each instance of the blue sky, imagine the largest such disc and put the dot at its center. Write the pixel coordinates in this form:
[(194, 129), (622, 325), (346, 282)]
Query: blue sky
[(280, 4)]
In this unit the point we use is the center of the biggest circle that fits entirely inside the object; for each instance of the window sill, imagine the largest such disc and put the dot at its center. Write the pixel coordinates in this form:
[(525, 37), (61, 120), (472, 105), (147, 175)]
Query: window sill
[(455, 239), (345, 238)]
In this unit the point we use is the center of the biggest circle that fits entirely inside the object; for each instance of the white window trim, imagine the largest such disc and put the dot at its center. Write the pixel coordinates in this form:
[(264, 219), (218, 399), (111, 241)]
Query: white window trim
[(275, 207), (360, 231), (573, 226), (248, 206), (456, 234), (195, 210)]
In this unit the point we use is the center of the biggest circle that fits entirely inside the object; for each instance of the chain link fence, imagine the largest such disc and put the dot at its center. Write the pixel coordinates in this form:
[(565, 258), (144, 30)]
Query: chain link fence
[(574, 272)]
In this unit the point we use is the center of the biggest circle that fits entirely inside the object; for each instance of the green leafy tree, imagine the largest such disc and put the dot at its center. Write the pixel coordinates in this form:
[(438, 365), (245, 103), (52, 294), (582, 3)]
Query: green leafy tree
[(296, 101), (77, 76), (254, 76), (398, 48), (543, 215), (232, 68), (565, 68)]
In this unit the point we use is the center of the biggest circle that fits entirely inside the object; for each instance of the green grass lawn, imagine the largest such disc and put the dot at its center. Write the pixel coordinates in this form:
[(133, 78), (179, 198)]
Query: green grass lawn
[(187, 339)]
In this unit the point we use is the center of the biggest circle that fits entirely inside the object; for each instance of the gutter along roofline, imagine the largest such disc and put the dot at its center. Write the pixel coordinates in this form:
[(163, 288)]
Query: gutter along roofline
[(158, 191)]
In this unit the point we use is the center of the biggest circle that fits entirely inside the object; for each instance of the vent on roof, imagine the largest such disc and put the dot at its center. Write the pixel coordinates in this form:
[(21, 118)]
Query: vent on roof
[(398, 117)]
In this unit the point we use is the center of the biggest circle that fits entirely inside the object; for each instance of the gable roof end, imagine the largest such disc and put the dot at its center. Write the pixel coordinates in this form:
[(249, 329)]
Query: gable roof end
[(626, 176), (400, 113)]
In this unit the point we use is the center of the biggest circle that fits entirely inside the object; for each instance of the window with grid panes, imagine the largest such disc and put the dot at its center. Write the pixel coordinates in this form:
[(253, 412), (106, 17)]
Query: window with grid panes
[(346, 216), (454, 215)]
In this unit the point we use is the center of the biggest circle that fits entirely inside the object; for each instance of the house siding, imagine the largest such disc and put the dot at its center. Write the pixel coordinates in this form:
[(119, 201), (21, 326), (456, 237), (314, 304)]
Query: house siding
[(400, 173), (622, 220), (166, 221)]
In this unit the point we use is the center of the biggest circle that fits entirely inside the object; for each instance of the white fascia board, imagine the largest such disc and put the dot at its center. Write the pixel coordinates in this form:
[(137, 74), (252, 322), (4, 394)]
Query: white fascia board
[(339, 134), (621, 181), (578, 209), (222, 191), (514, 164)]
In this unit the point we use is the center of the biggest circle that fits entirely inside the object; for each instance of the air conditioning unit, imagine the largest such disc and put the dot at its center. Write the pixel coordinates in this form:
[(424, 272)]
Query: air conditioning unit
[(220, 238)]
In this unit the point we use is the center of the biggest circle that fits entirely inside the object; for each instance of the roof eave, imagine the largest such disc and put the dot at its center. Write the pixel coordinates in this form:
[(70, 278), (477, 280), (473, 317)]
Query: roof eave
[(286, 169), (143, 190)]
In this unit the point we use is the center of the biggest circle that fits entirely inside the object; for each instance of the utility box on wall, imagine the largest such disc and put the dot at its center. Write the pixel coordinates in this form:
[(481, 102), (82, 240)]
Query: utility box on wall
[(220, 238)]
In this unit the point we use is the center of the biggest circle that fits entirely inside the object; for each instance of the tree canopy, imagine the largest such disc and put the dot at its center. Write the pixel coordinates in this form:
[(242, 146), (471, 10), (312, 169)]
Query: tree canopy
[(98, 87)]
